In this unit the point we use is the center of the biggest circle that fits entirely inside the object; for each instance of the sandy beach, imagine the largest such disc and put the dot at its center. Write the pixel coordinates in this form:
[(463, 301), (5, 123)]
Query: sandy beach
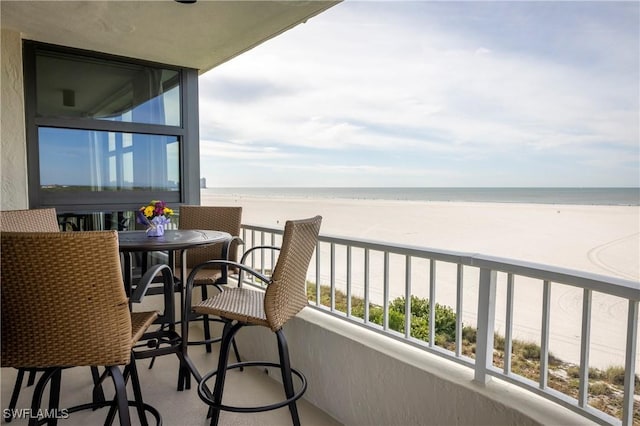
[(598, 239)]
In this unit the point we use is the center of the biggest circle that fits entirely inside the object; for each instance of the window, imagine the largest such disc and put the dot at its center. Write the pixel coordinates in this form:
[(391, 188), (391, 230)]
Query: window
[(108, 134), (84, 87), (87, 160)]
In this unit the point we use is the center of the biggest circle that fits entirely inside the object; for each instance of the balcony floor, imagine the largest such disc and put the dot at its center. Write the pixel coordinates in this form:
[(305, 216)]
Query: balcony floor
[(250, 387)]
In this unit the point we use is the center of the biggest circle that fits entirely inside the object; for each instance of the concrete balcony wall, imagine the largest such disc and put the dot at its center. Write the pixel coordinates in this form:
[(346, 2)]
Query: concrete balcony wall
[(362, 378), (13, 162)]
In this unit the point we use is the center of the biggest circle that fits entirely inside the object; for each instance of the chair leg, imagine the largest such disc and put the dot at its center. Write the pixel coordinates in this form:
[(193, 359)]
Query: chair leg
[(32, 377), (98, 393), (184, 374), (287, 380), (236, 352), (36, 399), (8, 416), (131, 370), (228, 333), (113, 408), (214, 398), (205, 319), (137, 391), (121, 395), (15, 394), (54, 396)]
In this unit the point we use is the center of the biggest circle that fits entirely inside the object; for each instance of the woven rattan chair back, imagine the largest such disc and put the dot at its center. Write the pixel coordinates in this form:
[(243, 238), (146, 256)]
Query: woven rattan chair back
[(226, 219), (35, 220), (63, 301), (286, 295)]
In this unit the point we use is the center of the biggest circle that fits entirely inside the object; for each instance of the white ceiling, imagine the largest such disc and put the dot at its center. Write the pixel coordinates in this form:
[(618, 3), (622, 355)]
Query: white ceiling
[(200, 35)]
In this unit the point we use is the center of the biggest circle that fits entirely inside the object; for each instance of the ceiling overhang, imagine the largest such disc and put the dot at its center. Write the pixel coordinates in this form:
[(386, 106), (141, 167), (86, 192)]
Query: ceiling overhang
[(201, 35)]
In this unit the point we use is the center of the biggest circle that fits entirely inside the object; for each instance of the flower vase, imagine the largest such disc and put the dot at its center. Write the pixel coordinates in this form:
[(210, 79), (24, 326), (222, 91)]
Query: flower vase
[(157, 226)]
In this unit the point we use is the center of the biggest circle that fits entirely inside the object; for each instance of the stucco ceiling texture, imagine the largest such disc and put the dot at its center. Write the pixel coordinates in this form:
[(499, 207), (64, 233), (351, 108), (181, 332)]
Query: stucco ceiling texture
[(201, 35)]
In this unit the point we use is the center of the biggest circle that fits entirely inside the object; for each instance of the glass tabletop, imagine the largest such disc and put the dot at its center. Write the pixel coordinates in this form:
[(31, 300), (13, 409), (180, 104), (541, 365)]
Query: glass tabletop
[(171, 240)]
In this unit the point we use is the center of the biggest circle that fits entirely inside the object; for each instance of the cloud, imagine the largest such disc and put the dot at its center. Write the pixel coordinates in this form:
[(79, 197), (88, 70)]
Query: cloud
[(458, 82), (245, 90), (216, 150)]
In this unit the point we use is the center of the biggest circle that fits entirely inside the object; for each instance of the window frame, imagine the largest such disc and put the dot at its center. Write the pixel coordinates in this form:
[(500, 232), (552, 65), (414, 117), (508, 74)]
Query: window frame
[(187, 134)]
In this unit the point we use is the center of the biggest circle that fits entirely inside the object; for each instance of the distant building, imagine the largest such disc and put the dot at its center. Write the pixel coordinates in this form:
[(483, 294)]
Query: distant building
[(203, 182)]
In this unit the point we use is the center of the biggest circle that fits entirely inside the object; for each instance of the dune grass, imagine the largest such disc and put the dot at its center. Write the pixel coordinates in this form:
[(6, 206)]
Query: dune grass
[(606, 387)]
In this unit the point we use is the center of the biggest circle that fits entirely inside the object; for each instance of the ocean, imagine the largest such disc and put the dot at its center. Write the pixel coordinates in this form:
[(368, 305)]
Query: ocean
[(574, 196)]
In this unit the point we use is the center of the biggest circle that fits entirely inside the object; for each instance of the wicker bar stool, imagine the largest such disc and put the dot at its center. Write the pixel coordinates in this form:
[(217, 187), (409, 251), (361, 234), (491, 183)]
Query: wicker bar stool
[(217, 218), (283, 298), (64, 305), (33, 220)]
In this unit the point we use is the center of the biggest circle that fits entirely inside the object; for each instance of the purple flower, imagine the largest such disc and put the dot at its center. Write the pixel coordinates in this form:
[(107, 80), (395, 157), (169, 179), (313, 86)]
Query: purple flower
[(159, 208)]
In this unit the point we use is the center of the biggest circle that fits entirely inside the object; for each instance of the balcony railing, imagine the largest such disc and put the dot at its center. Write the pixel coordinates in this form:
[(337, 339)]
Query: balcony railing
[(376, 272)]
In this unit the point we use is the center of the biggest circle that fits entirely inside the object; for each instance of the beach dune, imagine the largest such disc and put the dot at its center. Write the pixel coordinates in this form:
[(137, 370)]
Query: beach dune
[(599, 239)]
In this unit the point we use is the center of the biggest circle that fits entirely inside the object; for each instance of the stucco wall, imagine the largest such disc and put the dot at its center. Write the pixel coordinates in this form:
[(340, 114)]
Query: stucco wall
[(362, 378), (13, 153)]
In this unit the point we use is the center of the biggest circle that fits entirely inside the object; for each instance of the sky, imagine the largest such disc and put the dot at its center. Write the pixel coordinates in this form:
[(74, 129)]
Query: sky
[(432, 94)]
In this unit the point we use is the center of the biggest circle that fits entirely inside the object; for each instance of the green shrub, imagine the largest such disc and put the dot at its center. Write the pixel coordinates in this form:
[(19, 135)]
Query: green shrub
[(446, 322), (396, 320), (420, 328), (357, 309), (445, 319), (375, 314), (526, 355)]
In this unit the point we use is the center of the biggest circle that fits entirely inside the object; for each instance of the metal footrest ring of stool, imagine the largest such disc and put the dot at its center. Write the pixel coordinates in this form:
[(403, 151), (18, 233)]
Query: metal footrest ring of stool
[(51, 375), (97, 405), (206, 395)]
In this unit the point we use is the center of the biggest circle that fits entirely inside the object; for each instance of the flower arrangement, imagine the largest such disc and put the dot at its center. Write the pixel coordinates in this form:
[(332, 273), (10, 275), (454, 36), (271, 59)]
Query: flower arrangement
[(155, 216)]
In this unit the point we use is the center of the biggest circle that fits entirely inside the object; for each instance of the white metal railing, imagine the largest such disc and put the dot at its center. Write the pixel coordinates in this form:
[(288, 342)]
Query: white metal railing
[(346, 265)]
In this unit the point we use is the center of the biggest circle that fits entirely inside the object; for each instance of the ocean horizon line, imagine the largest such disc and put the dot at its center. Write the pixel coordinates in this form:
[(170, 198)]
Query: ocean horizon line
[(447, 187), (618, 196)]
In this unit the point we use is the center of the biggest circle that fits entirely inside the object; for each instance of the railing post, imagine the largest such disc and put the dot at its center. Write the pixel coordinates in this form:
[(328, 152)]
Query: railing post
[(407, 297), (630, 363), (544, 337), (508, 326), (385, 291), (432, 303), (366, 285), (318, 264), (348, 281), (485, 324), (333, 276), (585, 343), (459, 305)]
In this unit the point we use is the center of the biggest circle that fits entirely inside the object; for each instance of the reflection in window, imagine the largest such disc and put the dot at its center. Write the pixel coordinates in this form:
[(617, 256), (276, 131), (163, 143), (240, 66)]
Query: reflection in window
[(87, 160), (76, 86)]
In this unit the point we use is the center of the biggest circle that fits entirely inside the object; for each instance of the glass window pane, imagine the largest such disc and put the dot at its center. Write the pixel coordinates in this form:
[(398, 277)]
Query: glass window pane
[(87, 160), (82, 87)]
